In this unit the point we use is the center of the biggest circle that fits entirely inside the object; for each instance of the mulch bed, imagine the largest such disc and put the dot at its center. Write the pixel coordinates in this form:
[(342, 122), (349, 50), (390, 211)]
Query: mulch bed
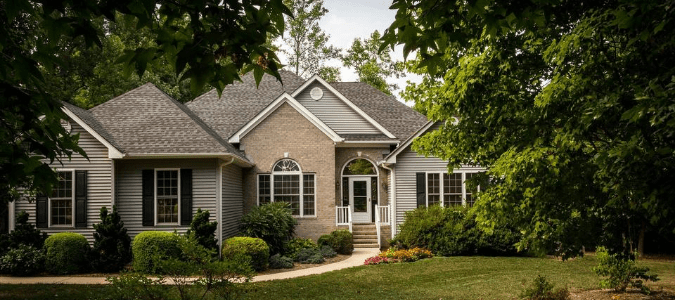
[(609, 294)]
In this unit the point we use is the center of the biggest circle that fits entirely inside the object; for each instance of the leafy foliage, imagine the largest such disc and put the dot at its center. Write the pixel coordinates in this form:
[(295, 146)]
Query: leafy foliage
[(373, 66), (450, 231), (23, 260), (271, 222), (24, 233), (327, 251), (203, 230), (309, 256), (542, 289), (568, 104), (277, 261), (151, 247), (205, 42), (305, 44), (340, 240), (66, 253), (254, 248), (621, 272), (112, 244), (294, 246)]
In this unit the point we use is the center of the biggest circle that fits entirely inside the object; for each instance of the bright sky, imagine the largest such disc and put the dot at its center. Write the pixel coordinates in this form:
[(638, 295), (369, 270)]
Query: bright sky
[(350, 19)]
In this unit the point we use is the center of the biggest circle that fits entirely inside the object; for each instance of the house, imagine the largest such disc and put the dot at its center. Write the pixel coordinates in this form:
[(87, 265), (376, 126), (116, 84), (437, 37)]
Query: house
[(339, 153)]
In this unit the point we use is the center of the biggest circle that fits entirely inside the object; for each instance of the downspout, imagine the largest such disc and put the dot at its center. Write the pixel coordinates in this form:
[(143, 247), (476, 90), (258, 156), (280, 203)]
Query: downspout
[(219, 203), (392, 197)]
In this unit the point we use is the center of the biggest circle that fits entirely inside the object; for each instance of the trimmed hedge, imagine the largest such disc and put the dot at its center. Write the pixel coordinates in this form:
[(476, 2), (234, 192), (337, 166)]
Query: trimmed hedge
[(341, 241), (151, 246), (254, 248), (66, 253)]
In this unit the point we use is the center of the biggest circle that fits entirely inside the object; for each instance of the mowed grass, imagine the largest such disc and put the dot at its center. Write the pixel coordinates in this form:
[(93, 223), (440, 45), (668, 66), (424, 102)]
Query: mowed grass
[(438, 278)]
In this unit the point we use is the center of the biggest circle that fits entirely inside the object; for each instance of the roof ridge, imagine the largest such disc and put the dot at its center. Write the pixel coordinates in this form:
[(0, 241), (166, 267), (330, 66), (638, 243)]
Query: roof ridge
[(121, 95)]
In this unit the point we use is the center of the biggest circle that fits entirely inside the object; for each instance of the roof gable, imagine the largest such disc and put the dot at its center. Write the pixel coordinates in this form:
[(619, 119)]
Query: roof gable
[(93, 127), (391, 158), (272, 107)]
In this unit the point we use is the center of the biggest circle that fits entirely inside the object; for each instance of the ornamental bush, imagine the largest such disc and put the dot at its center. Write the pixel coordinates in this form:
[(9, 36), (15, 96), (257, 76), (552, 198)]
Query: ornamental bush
[(542, 289), (292, 247), (310, 256), (112, 244), (23, 260), (271, 222), (254, 248), (150, 247), (621, 272), (340, 240), (280, 262), (24, 233), (327, 251), (203, 230), (66, 253)]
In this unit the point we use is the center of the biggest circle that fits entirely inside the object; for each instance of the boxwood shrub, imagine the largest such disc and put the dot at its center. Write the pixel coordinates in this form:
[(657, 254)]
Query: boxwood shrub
[(340, 240), (280, 262), (66, 253), (255, 248), (151, 246)]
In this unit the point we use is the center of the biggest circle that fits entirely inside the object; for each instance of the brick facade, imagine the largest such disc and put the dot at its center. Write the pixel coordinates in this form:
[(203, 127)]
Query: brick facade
[(344, 155)]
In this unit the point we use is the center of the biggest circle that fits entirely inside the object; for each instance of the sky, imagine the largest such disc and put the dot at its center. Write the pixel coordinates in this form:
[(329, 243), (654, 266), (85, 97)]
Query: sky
[(350, 19)]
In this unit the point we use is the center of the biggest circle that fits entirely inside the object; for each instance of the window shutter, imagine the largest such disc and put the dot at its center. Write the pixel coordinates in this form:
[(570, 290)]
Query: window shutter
[(80, 198), (41, 212), (185, 196), (421, 189), (148, 197)]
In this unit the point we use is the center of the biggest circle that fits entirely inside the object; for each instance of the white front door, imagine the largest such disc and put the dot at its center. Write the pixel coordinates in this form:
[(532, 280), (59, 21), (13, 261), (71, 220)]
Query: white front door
[(359, 199)]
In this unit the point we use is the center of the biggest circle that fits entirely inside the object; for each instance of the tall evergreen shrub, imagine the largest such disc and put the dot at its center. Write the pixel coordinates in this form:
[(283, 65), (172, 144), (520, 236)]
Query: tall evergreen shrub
[(112, 244), (203, 230), (273, 223)]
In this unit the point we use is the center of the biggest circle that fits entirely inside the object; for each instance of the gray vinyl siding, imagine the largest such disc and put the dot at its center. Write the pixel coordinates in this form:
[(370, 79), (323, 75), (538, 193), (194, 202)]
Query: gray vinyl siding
[(99, 188), (335, 113), (233, 200), (408, 163), (129, 189)]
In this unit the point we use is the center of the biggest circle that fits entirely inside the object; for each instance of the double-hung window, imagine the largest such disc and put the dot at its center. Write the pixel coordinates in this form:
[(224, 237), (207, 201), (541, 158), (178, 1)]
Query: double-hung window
[(288, 184), (449, 189), (167, 195), (62, 200)]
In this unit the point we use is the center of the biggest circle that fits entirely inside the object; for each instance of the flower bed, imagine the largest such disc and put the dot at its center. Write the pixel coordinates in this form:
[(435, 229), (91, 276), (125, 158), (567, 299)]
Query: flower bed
[(393, 255)]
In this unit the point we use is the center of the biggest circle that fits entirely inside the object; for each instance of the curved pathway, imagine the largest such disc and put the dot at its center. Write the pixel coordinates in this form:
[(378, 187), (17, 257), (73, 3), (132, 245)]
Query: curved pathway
[(358, 257)]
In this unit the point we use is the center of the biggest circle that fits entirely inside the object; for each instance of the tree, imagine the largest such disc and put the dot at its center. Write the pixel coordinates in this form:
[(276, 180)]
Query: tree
[(569, 106), (374, 67), (330, 74), (204, 42), (306, 45)]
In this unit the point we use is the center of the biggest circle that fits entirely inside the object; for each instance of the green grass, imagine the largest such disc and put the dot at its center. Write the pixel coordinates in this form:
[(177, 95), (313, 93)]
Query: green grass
[(437, 278)]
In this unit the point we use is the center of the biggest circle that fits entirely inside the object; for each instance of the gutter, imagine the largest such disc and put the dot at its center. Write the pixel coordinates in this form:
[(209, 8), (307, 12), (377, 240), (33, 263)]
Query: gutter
[(219, 203), (392, 196)]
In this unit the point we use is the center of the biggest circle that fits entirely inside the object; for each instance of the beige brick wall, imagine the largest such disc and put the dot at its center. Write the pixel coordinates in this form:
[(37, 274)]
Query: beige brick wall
[(343, 155), (286, 130)]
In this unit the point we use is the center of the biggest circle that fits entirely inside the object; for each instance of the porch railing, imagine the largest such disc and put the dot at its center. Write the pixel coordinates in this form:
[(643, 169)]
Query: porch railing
[(381, 218), (344, 216), (385, 217)]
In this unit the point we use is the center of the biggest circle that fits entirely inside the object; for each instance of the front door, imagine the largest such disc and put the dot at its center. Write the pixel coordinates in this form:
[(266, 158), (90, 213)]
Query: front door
[(359, 199)]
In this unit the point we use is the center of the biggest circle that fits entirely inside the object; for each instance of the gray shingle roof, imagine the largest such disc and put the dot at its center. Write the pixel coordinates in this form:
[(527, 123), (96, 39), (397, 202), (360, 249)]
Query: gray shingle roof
[(241, 101), (145, 120), (367, 137), (94, 124)]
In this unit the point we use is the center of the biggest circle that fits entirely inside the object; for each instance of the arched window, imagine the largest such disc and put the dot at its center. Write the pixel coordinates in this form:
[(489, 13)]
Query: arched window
[(360, 188), (288, 184), (359, 166)]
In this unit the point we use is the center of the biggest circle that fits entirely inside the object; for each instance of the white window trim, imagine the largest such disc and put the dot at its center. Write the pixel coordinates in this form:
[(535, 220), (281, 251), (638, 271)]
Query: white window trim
[(377, 174), (72, 203), (301, 187), (155, 196), (442, 187)]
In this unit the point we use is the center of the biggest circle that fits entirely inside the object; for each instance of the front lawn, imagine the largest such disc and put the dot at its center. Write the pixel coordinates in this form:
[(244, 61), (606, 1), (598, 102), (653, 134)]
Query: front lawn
[(438, 278)]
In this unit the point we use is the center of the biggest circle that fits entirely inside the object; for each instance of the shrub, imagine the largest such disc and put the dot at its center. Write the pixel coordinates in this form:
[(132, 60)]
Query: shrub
[(378, 260), (203, 230), (271, 222), (280, 262), (327, 251), (310, 256), (150, 247), (621, 272), (452, 231), (404, 255), (541, 289), (112, 244), (66, 253), (255, 248), (294, 246), (341, 241), (23, 260), (24, 233)]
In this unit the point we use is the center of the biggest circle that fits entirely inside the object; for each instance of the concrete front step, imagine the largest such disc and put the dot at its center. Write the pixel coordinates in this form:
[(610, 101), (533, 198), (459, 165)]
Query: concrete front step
[(365, 241), (364, 236), (366, 245)]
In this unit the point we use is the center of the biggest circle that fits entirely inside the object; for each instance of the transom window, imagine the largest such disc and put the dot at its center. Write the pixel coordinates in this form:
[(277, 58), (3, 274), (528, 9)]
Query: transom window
[(167, 196), (451, 189), (61, 200), (288, 184)]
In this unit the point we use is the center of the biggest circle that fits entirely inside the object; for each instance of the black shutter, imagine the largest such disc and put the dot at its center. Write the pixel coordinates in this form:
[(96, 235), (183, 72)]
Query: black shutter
[(80, 198), (421, 189), (186, 196), (41, 212), (148, 197)]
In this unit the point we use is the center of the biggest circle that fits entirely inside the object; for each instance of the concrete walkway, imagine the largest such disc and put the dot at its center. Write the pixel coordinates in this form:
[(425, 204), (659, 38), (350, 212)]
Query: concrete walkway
[(357, 259)]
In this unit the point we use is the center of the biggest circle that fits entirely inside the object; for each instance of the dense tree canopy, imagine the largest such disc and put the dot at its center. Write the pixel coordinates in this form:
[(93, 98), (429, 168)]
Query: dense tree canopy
[(569, 104), (371, 65), (203, 41)]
